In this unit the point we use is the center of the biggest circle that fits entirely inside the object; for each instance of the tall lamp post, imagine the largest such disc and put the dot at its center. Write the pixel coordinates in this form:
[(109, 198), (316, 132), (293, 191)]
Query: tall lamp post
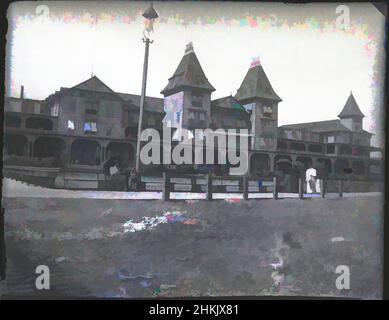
[(150, 15)]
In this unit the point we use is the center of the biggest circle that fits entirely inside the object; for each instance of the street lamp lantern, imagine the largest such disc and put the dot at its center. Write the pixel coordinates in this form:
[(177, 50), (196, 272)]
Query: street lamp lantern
[(150, 15)]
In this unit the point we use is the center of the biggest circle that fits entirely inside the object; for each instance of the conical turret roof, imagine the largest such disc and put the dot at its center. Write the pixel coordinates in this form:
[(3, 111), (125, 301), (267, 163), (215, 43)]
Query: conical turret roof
[(188, 74), (256, 85), (351, 108)]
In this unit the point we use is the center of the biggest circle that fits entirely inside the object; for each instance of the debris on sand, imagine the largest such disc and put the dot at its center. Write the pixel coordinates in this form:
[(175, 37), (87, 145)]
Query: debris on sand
[(167, 286), (277, 277), (337, 239), (191, 201), (61, 259), (106, 212), (233, 200), (191, 221), (145, 283), (124, 275), (147, 223), (94, 234), (150, 223)]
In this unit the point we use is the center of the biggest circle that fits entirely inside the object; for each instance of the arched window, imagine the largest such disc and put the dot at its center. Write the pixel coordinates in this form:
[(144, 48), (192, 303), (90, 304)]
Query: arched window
[(85, 152), (12, 121), (48, 147), (260, 163), (125, 151), (130, 132), (15, 144)]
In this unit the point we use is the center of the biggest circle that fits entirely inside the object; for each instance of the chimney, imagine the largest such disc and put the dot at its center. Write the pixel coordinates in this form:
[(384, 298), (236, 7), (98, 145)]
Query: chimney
[(21, 92)]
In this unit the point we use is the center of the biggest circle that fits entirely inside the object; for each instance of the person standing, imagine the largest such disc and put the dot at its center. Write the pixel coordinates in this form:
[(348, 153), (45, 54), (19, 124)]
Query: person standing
[(310, 177)]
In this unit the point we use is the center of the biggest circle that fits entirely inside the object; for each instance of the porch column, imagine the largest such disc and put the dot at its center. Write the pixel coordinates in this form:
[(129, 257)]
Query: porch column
[(332, 171), (29, 149), (272, 158)]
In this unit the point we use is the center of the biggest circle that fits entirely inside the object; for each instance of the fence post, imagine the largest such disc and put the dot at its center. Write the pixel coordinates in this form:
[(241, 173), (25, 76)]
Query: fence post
[(301, 196), (275, 189), (340, 188), (322, 188), (245, 188), (166, 186), (208, 195), (3, 256)]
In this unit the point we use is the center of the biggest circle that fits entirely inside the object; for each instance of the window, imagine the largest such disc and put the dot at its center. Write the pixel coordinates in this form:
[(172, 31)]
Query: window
[(374, 169), (39, 124), (71, 125), (12, 121), (54, 109), (314, 148), (90, 127), (249, 107), (267, 142), (345, 149), (288, 134), (197, 100), (91, 112), (91, 105), (330, 139), (282, 145), (267, 111), (297, 146), (330, 149)]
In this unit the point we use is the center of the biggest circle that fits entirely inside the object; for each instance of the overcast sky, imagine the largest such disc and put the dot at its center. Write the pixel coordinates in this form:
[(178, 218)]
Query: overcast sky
[(311, 64)]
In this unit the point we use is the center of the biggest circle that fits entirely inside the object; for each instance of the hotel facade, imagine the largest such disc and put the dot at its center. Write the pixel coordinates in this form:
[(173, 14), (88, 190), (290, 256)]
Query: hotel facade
[(87, 124)]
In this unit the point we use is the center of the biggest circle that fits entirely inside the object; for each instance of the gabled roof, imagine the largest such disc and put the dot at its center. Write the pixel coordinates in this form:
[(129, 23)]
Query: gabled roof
[(93, 84), (228, 102), (351, 108), (152, 104), (319, 126), (256, 85), (229, 107), (188, 74)]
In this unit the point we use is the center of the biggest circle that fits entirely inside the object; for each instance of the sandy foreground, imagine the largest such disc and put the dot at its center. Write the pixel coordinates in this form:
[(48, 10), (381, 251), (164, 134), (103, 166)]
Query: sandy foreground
[(150, 248)]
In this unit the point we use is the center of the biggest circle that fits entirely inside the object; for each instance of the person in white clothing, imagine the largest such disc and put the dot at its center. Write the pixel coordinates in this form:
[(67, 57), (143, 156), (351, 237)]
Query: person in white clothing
[(310, 177)]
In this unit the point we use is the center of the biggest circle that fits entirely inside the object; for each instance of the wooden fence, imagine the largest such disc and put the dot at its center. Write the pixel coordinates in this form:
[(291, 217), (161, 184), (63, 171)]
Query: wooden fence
[(210, 185)]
